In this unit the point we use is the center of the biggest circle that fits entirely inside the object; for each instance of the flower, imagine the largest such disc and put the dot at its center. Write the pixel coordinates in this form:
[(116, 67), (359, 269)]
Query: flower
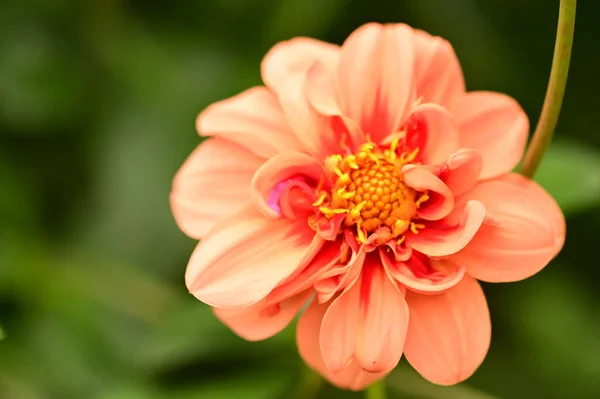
[(365, 180)]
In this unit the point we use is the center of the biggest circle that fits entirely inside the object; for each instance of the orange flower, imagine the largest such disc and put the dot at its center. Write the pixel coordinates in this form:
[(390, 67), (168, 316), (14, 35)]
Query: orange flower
[(363, 178)]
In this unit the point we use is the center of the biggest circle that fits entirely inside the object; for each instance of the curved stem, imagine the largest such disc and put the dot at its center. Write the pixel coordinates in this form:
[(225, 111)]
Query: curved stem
[(556, 88), (376, 390)]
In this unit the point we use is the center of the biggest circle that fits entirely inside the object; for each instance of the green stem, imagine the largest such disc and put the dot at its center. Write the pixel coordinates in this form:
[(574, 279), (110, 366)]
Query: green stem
[(556, 88), (376, 390)]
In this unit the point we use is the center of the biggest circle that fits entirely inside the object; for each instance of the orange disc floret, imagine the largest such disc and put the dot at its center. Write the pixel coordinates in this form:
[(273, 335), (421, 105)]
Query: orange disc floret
[(370, 189)]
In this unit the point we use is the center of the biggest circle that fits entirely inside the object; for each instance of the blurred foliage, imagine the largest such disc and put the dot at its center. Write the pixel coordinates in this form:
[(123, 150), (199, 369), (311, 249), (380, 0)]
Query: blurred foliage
[(97, 109)]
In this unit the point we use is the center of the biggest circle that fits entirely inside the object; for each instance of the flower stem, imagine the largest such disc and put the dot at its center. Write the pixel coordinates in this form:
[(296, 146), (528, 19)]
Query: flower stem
[(556, 88), (376, 390)]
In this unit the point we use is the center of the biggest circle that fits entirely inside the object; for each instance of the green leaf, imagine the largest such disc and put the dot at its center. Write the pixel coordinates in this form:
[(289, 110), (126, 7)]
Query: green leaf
[(570, 172), (407, 382)]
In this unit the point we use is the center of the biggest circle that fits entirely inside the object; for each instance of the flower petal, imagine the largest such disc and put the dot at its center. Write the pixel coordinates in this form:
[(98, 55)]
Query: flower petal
[(495, 125), (449, 333), (368, 321), (432, 130), (220, 168), (384, 320), (462, 171), (322, 94), (442, 240), (339, 329), (441, 200), (282, 168), (295, 55), (245, 258), (422, 274), (352, 376), (263, 319), (375, 76), (527, 231), (437, 69), (253, 119), (314, 131)]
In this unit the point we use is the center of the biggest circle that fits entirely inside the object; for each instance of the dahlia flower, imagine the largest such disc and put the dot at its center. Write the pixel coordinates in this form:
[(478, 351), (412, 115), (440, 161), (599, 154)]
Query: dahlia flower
[(363, 184)]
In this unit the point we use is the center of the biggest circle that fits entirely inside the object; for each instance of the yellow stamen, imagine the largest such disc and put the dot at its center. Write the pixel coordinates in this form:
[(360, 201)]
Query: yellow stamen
[(350, 161), (329, 213), (394, 145), (355, 212), (407, 158), (322, 198), (415, 226), (421, 199), (401, 240), (360, 233), (344, 179)]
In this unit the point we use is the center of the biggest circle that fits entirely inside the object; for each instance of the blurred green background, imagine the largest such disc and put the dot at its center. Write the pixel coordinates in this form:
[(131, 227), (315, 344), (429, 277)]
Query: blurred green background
[(97, 108)]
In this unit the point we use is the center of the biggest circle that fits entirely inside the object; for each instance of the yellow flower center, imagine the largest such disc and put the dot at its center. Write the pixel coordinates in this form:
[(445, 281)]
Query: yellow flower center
[(369, 188)]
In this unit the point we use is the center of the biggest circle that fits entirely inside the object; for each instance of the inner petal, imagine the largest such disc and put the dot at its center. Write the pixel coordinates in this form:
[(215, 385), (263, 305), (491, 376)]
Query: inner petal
[(423, 274)]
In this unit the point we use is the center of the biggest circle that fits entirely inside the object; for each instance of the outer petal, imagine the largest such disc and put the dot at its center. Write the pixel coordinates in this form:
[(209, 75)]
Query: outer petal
[(368, 321), (442, 240), (295, 55), (449, 333), (213, 183), (375, 76), (495, 125), (245, 258), (352, 376), (339, 329), (253, 119), (441, 200), (433, 130), (437, 70), (527, 230), (280, 169), (263, 319), (384, 321)]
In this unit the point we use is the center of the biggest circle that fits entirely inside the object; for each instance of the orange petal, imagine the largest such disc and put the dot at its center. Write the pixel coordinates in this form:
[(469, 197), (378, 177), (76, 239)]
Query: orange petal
[(304, 278), (449, 333), (442, 240), (243, 259), (462, 171), (263, 319), (437, 70), (441, 199), (495, 125), (295, 55), (422, 274), (433, 130), (368, 321), (279, 169), (527, 231), (339, 329), (322, 93), (375, 76), (253, 119), (384, 320), (350, 377), (313, 130), (220, 168)]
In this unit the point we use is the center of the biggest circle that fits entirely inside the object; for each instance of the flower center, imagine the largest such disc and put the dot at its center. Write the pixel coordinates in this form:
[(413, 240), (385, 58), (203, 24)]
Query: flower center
[(369, 189)]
